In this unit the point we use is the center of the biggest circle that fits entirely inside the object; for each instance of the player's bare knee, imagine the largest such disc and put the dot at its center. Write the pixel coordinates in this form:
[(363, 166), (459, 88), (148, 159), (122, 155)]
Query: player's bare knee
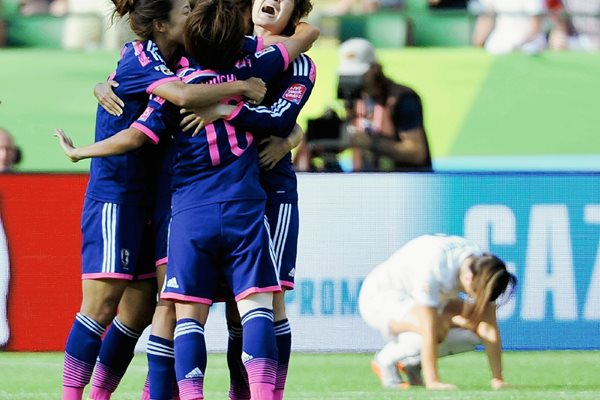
[(255, 301)]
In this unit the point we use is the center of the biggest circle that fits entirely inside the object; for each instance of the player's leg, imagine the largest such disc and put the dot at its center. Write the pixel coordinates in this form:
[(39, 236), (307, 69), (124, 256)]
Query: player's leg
[(283, 229), (162, 382), (239, 388), (190, 283), (252, 277), (104, 281), (117, 350)]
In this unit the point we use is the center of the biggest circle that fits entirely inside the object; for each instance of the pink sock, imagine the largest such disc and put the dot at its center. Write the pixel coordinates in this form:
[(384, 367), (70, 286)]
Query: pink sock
[(262, 391), (71, 393), (97, 393)]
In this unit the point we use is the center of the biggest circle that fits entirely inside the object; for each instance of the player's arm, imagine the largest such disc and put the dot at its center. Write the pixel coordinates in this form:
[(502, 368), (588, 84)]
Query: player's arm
[(302, 40), (276, 147), (183, 95), (124, 141), (489, 333)]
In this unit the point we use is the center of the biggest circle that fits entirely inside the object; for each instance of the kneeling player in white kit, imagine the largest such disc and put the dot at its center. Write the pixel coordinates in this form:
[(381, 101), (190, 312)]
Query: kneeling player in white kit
[(414, 299)]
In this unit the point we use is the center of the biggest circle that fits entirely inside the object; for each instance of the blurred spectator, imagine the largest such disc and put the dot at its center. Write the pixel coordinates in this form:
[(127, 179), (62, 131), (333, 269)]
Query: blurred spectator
[(585, 21), (448, 4), (89, 25), (10, 154), (365, 6), (37, 7), (504, 26), (385, 119)]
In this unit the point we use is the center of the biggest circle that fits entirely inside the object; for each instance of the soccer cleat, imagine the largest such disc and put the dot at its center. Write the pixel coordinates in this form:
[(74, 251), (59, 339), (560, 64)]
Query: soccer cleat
[(412, 372), (388, 376)]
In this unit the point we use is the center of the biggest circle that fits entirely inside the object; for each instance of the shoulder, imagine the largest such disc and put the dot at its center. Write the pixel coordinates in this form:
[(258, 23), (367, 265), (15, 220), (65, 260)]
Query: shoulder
[(303, 66)]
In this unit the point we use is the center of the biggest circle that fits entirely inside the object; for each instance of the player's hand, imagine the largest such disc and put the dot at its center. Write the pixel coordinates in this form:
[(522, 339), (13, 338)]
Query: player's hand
[(191, 121), (275, 150), (67, 144), (437, 385), (108, 99), (203, 116), (498, 384), (255, 90)]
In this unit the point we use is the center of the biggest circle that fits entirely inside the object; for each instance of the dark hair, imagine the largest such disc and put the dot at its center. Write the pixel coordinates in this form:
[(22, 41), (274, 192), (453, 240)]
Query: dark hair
[(301, 9), (376, 84), (214, 33), (142, 14), (490, 280)]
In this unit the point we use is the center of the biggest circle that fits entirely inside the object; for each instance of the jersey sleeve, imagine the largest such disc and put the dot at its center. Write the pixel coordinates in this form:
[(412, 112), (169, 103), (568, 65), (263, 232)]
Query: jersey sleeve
[(269, 63), (142, 68), (408, 113), (252, 44), (158, 120), (279, 119)]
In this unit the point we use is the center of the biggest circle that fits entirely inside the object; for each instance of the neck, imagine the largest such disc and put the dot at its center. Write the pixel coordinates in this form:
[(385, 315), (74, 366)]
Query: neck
[(261, 31), (166, 47)]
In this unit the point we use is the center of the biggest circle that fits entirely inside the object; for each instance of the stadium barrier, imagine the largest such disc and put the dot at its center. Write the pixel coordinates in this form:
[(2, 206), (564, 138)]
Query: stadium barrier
[(546, 226)]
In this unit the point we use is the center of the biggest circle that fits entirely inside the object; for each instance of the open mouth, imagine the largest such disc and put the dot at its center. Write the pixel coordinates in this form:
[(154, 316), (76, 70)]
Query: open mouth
[(268, 10)]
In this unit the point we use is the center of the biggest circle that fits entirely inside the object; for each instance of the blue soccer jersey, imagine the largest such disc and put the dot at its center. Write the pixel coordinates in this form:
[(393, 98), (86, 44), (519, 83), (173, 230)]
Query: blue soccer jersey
[(221, 163), (285, 98), (122, 179)]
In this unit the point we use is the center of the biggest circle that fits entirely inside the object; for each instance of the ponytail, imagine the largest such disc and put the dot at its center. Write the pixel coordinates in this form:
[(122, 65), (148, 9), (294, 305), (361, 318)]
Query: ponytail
[(142, 14), (490, 280), (123, 7)]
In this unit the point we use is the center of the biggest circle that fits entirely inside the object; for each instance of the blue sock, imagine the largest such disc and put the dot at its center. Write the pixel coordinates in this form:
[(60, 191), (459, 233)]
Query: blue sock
[(83, 345), (190, 358), (161, 368), (283, 338), (260, 352), (116, 353), (238, 378)]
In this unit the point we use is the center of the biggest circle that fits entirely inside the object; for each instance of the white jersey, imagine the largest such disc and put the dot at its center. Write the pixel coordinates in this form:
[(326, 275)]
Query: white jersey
[(424, 270)]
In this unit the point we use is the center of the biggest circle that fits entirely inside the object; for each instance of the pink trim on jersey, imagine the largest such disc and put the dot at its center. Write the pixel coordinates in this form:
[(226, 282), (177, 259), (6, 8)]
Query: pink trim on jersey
[(107, 275), (286, 284), (203, 72), (260, 43), (112, 76), (213, 148), (313, 71), (146, 131), (162, 261), (235, 112), (233, 142), (285, 55), (139, 52), (146, 276), (248, 292), (182, 297), (159, 82)]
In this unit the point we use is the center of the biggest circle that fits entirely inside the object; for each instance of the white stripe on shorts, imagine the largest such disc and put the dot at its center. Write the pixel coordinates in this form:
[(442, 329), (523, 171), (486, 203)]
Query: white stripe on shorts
[(109, 223)]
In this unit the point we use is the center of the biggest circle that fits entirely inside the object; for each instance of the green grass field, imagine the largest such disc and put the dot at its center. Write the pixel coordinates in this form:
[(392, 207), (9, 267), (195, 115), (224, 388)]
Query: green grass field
[(534, 375)]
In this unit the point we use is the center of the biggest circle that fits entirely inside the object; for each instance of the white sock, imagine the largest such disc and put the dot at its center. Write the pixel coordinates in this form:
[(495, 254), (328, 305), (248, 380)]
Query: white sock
[(406, 345)]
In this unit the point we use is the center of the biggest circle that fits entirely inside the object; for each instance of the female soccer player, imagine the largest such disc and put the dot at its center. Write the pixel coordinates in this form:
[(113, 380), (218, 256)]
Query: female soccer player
[(215, 157), (413, 298), (116, 206)]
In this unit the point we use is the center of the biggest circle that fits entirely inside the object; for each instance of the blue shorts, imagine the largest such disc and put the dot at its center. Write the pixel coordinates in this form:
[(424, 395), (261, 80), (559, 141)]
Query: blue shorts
[(227, 239), (116, 241), (283, 229), (161, 215)]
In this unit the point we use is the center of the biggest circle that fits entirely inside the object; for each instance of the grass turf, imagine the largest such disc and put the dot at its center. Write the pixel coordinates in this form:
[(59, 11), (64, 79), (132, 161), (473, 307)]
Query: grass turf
[(534, 375)]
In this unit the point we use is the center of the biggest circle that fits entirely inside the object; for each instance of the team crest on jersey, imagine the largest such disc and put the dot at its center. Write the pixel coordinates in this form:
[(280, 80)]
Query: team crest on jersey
[(295, 93), (146, 114), (164, 69), (263, 52), (125, 258)]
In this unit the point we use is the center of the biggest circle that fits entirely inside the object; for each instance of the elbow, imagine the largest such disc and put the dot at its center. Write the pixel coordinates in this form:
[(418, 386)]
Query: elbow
[(181, 100)]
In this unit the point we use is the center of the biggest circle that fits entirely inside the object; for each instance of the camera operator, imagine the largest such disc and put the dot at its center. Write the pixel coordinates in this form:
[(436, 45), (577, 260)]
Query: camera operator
[(384, 119)]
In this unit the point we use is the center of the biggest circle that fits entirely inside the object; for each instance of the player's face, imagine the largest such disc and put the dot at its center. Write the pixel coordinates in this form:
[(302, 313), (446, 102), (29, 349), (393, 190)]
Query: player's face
[(177, 17), (272, 15)]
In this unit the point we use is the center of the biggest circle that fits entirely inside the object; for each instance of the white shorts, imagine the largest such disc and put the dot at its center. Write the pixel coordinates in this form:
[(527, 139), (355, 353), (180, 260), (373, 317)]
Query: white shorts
[(378, 308)]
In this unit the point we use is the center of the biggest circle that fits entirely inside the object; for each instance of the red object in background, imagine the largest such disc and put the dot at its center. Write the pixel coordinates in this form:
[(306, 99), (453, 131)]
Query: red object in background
[(554, 5), (41, 215)]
